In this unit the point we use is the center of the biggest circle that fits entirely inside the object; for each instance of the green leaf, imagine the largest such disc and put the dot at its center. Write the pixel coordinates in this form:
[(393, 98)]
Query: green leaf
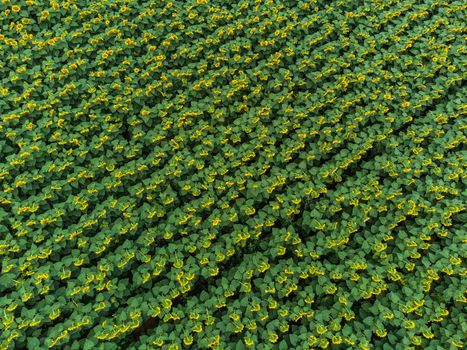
[(88, 344)]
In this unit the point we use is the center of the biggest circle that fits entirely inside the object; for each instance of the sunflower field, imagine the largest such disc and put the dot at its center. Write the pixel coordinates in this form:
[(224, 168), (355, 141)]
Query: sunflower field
[(218, 174)]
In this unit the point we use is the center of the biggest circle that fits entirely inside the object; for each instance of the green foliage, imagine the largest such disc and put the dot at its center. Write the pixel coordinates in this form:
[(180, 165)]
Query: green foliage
[(211, 174)]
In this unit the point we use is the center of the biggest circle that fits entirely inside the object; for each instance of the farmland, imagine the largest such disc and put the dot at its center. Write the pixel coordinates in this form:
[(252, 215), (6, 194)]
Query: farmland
[(219, 174)]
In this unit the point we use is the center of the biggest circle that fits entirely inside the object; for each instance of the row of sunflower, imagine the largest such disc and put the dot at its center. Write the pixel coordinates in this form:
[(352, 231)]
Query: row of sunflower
[(230, 175)]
